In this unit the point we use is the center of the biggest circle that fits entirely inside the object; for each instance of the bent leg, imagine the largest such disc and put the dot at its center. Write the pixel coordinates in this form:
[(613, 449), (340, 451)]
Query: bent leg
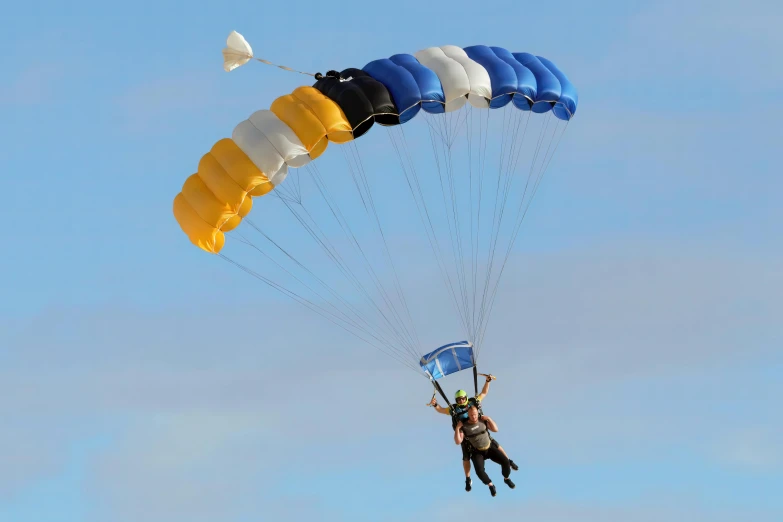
[(497, 456), (478, 464), (497, 445)]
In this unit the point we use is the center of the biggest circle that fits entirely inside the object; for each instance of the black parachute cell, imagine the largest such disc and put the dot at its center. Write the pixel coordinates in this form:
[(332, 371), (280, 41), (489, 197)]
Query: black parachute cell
[(363, 99), (351, 99), (384, 109)]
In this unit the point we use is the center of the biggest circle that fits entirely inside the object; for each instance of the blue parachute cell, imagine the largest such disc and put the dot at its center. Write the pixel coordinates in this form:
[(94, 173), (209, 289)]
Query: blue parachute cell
[(548, 86), (400, 83), (430, 89), (527, 85), (448, 359), (502, 75), (565, 108), (527, 81)]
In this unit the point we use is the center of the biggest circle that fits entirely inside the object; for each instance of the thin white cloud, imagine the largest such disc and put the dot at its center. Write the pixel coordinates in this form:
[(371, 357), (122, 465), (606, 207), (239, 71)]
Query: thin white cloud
[(683, 46), (754, 448), (648, 509), (30, 452), (207, 96), (33, 84), (573, 334), (158, 105)]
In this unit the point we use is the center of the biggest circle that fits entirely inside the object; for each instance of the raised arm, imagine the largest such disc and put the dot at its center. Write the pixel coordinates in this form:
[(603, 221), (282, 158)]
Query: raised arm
[(440, 409), (490, 423), (484, 390)]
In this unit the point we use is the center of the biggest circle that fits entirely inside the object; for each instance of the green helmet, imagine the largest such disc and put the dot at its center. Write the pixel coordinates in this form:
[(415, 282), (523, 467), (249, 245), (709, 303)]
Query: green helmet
[(460, 393)]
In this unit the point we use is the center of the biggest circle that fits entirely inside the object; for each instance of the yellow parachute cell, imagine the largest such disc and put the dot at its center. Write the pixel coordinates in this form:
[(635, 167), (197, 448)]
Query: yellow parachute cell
[(332, 117), (219, 195), (209, 208), (305, 124), (198, 231), (235, 220)]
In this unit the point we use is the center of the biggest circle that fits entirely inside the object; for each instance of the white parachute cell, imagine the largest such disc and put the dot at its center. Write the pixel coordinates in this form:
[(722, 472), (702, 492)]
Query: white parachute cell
[(270, 144), (452, 76), (480, 83)]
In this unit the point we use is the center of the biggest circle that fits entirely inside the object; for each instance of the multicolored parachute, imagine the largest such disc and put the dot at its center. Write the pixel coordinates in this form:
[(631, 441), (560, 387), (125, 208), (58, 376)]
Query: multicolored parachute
[(446, 84)]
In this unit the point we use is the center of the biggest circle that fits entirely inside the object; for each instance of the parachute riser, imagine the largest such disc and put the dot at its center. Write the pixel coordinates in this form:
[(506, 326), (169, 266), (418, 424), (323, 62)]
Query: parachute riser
[(475, 374), (438, 389), (436, 384)]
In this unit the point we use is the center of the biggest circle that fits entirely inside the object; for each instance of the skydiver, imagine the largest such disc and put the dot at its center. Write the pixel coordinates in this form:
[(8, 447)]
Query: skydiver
[(475, 430), (459, 411)]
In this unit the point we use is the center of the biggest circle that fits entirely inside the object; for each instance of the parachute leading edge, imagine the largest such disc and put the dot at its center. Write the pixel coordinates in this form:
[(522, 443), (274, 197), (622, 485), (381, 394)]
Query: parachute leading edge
[(448, 359), (340, 108)]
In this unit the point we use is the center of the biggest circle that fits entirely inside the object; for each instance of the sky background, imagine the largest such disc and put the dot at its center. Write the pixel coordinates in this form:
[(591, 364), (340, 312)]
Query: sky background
[(637, 339)]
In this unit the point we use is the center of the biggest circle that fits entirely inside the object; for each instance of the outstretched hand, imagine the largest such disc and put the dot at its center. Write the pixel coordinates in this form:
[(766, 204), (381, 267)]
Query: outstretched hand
[(434, 402)]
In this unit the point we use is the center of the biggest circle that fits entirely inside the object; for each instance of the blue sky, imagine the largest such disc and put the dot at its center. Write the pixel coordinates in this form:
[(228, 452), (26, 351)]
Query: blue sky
[(637, 338)]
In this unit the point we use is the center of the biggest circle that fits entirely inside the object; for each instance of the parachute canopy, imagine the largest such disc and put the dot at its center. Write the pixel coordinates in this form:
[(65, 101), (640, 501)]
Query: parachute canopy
[(448, 359), (341, 107), (314, 230)]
